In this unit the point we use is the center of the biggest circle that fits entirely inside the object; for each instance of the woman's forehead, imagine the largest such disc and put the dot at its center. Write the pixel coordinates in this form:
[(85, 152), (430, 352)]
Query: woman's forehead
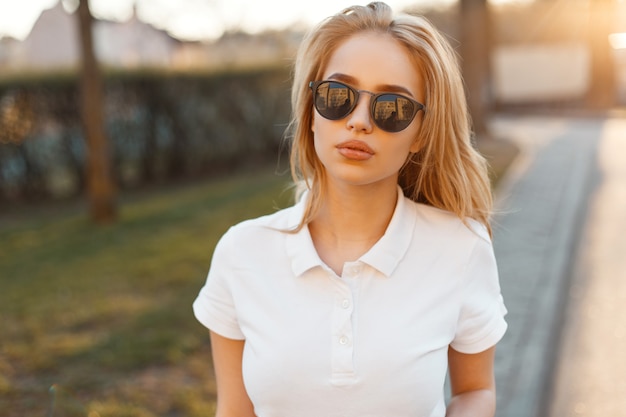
[(373, 60)]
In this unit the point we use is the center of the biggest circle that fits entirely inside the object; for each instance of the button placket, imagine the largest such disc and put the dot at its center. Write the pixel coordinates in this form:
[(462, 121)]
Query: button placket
[(342, 366)]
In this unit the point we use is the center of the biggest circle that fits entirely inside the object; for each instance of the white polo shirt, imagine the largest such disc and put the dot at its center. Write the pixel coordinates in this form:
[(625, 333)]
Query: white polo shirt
[(370, 343)]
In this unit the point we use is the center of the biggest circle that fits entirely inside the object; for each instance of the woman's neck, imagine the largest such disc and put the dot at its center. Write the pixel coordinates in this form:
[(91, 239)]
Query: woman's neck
[(350, 221)]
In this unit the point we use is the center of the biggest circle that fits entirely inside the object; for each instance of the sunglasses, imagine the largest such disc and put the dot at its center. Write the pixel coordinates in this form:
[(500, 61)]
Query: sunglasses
[(391, 112)]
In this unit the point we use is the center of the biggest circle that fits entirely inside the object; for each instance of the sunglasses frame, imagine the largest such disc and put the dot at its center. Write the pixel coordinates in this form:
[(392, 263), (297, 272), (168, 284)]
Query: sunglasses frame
[(417, 106)]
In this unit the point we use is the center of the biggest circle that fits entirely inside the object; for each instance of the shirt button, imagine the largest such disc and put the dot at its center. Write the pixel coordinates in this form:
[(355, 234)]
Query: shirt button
[(345, 303), (343, 340)]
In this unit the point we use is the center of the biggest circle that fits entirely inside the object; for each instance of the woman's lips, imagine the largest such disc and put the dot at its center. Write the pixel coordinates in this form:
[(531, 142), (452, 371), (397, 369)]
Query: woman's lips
[(355, 150)]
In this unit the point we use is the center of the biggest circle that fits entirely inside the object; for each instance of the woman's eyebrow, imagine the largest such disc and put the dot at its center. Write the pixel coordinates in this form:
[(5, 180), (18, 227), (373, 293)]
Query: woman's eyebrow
[(343, 77), (390, 88)]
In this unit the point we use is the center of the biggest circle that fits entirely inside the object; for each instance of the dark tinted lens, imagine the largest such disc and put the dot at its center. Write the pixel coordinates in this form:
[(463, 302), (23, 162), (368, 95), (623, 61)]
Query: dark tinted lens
[(334, 100), (393, 112)]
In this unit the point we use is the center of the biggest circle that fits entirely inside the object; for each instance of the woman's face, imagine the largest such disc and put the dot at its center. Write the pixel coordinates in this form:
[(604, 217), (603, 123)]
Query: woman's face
[(353, 150)]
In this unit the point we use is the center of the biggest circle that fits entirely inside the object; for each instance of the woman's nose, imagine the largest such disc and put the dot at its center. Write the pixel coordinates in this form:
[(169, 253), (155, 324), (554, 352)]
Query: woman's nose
[(359, 119)]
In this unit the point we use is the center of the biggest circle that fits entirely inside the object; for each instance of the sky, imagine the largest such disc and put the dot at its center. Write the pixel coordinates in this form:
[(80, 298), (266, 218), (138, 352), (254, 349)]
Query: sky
[(199, 19)]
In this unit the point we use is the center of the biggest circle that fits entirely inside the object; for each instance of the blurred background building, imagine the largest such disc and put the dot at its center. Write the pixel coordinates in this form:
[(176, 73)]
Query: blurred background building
[(52, 44)]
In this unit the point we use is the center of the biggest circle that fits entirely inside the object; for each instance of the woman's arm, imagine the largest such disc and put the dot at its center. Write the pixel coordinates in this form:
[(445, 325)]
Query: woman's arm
[(232, 398), (473, 384)]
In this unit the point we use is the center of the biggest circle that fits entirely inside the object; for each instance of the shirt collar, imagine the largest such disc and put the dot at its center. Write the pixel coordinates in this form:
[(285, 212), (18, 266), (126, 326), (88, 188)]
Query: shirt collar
[(387, 253), (300, 248), (384, 256)]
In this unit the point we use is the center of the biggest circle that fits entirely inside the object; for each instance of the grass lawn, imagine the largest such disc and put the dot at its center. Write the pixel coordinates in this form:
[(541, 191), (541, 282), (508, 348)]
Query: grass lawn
[(97, 321)]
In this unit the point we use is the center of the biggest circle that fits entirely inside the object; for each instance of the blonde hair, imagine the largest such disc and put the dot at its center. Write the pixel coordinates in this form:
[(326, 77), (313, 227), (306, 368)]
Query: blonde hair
[(447, 172)]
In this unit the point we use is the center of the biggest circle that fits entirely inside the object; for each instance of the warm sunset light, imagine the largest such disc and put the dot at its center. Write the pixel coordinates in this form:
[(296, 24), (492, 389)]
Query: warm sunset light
[(618, 40)]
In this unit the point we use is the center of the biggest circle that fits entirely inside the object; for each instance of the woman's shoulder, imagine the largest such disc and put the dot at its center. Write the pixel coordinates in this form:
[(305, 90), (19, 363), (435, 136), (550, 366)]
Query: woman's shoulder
[(443, 221), (280, 221)]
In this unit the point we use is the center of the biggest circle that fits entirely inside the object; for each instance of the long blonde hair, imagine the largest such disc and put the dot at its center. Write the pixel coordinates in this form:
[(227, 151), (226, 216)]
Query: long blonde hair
[(447, 172)]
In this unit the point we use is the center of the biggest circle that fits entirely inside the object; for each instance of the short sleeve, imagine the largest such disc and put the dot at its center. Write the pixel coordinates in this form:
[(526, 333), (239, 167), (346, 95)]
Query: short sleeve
[(481, 321), (214, 306)]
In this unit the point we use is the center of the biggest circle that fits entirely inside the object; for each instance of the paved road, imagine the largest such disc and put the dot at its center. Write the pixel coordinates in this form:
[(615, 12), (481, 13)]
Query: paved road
[(591, 376), (543, 205)]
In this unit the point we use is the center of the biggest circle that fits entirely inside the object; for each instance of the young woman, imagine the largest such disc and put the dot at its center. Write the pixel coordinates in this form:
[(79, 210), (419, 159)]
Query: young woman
[(357, 300)]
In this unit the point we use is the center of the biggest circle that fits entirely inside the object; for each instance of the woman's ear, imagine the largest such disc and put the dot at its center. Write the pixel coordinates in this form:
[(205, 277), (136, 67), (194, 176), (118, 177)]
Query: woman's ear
[(416, 146)]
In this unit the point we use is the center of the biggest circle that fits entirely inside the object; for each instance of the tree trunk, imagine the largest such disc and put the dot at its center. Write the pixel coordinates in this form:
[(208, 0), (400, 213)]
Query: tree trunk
[(602, 91), (100, 189), (475, 51)]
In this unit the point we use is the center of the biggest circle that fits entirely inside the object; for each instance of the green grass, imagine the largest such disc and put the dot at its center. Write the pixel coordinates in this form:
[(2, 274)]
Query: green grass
[(98, 319)]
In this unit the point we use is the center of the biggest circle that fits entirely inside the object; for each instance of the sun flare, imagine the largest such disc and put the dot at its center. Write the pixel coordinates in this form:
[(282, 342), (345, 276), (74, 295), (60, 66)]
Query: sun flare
[(618, 40)]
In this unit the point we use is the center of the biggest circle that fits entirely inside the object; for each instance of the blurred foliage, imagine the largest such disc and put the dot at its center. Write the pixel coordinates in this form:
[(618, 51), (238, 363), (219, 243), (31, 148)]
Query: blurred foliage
[(161, 126)]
